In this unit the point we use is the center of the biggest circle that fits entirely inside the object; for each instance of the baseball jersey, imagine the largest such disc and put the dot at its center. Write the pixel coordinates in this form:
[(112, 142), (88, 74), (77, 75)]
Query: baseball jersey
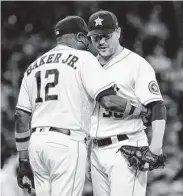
[(60, 88), (137, 82)]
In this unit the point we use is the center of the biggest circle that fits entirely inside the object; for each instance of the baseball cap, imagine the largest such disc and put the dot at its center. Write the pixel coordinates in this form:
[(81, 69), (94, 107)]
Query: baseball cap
[(71, 24), (102, 22)]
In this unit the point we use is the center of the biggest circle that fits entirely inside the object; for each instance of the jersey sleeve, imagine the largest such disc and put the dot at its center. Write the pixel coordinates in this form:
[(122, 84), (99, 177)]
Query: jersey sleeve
[(94, 77), (23, 98), (146, 86)]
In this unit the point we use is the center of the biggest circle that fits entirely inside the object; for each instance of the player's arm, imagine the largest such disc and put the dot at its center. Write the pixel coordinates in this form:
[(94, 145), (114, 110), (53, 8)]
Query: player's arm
[(22, 132), (148, 92), (110, 100), (22, 136), (158, 121), (22, 120), (103, 89)]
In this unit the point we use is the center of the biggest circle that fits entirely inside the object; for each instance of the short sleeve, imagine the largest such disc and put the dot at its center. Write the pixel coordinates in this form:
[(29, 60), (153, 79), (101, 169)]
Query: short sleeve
[(23, 98), (146, 86), (94, 77)]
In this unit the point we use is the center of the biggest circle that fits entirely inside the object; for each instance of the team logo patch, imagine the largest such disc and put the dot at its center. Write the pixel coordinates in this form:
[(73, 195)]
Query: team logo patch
[(153, 88)]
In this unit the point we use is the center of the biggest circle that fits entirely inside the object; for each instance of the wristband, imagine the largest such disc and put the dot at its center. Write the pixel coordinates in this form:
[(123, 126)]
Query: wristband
[(138, 110), (22, 140), (133, 108)]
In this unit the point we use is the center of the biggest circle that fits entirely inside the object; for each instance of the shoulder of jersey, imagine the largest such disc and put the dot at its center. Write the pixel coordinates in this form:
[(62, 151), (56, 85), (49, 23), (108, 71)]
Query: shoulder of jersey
[(37, 60), (136, 57)]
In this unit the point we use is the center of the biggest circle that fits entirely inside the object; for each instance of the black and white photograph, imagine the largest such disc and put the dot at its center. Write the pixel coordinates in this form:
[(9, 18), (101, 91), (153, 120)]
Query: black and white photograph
[(91, 98)]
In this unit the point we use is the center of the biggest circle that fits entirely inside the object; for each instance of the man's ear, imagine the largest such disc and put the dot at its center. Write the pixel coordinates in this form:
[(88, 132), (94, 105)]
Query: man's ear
[(79, 36), (118, 30)]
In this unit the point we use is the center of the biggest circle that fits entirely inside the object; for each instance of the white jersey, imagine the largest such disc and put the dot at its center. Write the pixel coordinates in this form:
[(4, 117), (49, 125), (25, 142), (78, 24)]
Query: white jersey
[(60, 88), (136, 79)]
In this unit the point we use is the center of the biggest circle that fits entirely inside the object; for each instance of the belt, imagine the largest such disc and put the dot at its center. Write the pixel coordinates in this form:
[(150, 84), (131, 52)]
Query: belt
[(55, 129), (109, 140)]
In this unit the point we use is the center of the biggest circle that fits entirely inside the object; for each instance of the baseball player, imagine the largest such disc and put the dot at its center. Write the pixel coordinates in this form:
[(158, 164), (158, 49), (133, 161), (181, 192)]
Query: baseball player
[(110, 171), (57, 97)]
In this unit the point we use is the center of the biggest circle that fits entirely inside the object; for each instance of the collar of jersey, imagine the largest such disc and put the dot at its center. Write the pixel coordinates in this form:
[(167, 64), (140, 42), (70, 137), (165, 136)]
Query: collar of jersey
[(125, 52)]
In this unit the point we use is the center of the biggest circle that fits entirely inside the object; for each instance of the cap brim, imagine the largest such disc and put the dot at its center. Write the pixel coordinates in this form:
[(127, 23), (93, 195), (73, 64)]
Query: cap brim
[(99, 31)]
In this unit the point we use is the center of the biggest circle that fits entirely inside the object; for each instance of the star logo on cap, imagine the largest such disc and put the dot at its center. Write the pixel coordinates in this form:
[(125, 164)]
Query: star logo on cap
[(98, 21)]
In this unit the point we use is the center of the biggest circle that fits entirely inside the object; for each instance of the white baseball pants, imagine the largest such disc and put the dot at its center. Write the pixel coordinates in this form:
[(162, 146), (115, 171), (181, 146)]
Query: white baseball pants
[(58, 162), (110, 173)]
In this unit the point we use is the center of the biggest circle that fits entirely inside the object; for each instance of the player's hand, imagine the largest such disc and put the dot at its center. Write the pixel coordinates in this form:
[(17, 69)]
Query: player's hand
[(25, 170), (155, 151), (146, 116), (88, 174), (144, 111)]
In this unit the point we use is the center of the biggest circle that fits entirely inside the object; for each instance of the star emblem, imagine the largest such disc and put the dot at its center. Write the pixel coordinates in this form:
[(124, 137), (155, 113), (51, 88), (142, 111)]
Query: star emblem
[(98, 21)]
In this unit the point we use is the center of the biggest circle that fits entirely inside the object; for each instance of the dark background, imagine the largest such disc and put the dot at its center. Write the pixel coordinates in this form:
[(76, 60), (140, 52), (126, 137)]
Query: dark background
[(152, 29)]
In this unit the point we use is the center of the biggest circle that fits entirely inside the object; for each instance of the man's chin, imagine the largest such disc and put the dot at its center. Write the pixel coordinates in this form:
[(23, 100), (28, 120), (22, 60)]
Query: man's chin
[(104, 53)]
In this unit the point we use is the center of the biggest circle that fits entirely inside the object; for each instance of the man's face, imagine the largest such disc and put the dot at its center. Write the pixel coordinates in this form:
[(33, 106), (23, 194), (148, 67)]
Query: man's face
[(106, 44)]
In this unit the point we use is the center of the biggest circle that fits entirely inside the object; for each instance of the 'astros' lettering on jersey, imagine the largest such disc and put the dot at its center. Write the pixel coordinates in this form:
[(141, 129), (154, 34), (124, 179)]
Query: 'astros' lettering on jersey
[(59, 88), (136, 79)]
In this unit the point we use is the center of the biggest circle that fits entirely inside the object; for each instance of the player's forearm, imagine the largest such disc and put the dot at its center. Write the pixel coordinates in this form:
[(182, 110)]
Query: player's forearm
[(22, 120), (22, 133), (119, 104), (113, 103), (158, 130), (158, 119)]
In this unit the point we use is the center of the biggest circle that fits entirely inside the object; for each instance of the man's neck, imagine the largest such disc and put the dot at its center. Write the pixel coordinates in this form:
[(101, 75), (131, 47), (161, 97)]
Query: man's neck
[(67, 41), (64, 44), (104, 60)]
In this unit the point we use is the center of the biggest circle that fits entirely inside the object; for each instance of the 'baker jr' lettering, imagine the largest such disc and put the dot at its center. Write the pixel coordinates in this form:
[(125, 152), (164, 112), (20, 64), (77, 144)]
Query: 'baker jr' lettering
[(70, 60)]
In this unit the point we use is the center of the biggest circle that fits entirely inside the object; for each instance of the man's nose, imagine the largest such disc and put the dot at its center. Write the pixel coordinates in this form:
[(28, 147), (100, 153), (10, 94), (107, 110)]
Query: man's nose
[(102, 41)]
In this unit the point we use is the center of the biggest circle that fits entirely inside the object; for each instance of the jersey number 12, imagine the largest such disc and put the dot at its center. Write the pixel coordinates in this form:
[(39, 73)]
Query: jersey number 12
[(49, 85)]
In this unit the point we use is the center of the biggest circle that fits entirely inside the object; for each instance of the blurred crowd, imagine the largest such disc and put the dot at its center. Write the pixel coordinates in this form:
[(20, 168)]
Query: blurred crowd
[(152, 29)]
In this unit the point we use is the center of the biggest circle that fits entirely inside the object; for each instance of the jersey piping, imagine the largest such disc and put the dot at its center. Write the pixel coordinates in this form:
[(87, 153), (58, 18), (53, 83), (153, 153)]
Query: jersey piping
[(107, 66)]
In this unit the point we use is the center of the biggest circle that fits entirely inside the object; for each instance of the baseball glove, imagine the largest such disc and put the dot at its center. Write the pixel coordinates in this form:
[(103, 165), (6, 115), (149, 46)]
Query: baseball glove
[(138, 156), (25, 170)]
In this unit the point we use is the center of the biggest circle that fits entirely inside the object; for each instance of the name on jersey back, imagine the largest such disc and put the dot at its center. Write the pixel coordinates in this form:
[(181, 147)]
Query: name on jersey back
[(70, 60)]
